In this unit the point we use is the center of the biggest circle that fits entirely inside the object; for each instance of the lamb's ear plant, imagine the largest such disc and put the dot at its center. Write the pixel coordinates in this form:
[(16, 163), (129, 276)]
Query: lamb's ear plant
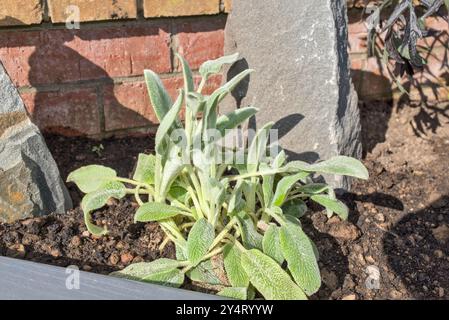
[(241, 214)]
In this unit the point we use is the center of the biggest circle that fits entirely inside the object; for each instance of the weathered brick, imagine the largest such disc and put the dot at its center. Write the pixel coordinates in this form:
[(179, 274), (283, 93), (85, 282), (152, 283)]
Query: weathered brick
[(227, 6), (18, 12), (177, 8), (68, 112), (60, 56), (200, 40), (357, 43), (127, 105), (437, 67), (91, 10)]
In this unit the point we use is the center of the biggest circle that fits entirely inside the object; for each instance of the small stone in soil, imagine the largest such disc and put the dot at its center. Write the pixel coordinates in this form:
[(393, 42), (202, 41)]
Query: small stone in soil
[(114, 259), (370, 259), (380, 217), (55, 253), (330, 279), (349, 297), (439, 254), (126, 258), (76, 241), (441, 233)]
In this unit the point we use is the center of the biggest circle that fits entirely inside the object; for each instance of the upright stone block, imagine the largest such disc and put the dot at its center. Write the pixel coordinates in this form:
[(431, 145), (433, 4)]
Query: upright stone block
[(30, 184), (302, 81)]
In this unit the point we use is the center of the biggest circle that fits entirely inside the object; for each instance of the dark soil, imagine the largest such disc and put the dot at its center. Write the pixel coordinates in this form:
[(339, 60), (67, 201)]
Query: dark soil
[(394, 246), (63, 240), (119, 154)]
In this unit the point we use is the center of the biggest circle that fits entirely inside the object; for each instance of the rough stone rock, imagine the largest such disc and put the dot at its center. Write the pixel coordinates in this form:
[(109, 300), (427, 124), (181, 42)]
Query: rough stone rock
[(30, 184), (441, 233), (298, 49)]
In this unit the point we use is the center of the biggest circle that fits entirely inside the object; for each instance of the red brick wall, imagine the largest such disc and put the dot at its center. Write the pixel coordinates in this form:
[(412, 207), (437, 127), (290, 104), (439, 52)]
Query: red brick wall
[(90, 81)]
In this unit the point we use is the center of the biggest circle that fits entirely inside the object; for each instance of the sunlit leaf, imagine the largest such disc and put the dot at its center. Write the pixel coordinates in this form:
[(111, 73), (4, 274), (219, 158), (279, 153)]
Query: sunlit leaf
[(155, 211), (90, 178), (97, 199), (268, 278), (200, 238), (299, 253)]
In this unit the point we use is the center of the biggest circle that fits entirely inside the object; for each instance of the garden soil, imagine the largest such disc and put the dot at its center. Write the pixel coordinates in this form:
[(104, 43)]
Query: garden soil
[(395, 244)]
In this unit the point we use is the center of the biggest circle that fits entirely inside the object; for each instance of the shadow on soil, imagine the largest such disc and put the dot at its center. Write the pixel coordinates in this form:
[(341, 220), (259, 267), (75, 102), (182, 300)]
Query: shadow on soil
[(417, 248)]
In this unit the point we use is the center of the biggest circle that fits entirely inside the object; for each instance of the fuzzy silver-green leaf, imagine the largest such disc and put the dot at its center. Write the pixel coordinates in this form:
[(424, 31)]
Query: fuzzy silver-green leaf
[(200, 238), (299, 253), (269, 278), (90, 178)]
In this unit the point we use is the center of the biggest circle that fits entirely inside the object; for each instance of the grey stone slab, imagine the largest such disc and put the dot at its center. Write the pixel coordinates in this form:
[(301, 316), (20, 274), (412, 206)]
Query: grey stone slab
[(302, 81), (24, 280), (30, 184)]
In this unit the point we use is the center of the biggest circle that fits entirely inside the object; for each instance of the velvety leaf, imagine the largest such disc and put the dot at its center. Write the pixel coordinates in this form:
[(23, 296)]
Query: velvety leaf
[(223, 91), (236, 200), (97, 199), (204, 273), (234, 293), (195, 102), (90, 178), (296, 208), (298, 251), (145, 168), (234, 271), (160, 99), (168, 123), (271, 244), (341, 165), (172, 168), (212, 67), (234, 119), (333, 205), (251, 238), (155, 211), (178, 193), (187, 74), (268, 278), (313, 188), (200, 238), (173, 278), (258, 147), (268, 180), (162, 271), (283, 187)]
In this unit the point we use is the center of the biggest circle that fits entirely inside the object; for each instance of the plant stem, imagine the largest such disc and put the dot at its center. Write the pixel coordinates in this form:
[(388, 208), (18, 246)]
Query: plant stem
[(223, 233), (164, 243), (254, 174), (202, 84), (206, 257), (136, 195)]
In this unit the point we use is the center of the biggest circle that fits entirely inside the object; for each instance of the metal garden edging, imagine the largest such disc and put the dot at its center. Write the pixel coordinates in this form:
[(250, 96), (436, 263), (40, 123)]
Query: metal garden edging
[(25, 280)]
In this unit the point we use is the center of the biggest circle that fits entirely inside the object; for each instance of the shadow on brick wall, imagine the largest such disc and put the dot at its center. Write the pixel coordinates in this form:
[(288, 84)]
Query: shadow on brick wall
[(70, 91), (374, 113), (431, 85)]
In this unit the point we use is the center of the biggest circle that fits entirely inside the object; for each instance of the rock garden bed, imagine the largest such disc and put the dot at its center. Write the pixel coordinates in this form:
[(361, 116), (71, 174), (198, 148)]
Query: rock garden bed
[(394, 246)]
